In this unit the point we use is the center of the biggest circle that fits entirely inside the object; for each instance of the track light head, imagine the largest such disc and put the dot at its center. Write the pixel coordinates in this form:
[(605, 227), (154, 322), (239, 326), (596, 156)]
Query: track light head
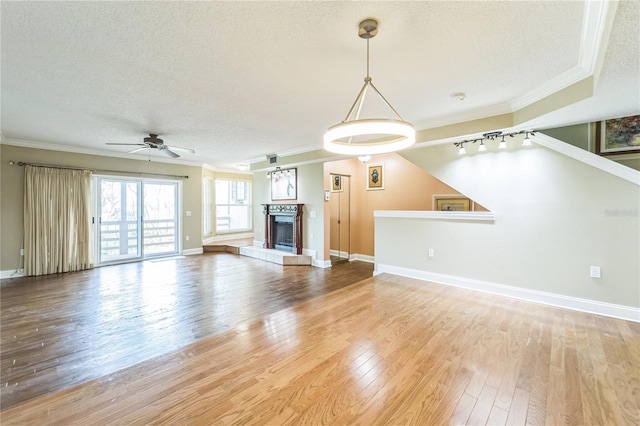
[(502, 144)]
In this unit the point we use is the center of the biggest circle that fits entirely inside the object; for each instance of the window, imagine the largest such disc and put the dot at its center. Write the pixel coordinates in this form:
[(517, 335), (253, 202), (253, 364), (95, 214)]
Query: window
[(233, 205), (207, 206)]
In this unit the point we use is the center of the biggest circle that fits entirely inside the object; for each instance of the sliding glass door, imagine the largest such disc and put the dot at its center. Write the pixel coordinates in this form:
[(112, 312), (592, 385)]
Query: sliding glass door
[(119, 220), (160, 223), (136, 219)]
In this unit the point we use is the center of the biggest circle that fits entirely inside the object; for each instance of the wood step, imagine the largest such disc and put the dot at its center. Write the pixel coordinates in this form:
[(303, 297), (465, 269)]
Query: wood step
[(228, 246)]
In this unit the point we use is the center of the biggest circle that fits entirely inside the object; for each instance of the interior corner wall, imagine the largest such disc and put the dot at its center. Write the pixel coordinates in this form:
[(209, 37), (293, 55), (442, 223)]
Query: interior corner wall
[(555, 217), (309, 193), (12, 192), (213, 175), (406, 187)]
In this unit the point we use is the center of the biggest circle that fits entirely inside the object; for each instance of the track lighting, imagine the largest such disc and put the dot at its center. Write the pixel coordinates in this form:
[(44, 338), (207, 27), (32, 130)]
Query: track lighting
[(279, 172), (491, 136)]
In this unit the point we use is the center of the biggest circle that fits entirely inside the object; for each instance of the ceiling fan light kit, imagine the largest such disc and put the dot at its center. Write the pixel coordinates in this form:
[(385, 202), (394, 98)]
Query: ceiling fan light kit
[(373, 135)]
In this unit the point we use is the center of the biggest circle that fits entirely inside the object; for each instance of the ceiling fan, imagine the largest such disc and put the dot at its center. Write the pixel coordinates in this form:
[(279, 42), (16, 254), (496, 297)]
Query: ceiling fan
[(154, 142)]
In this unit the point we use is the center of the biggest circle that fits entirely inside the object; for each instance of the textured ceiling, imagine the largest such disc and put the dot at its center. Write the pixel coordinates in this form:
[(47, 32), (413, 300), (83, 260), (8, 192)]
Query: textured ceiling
[(240, 80)]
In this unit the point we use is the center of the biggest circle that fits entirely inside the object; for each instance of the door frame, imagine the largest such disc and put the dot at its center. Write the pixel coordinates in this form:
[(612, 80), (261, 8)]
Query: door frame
[(95, 193)]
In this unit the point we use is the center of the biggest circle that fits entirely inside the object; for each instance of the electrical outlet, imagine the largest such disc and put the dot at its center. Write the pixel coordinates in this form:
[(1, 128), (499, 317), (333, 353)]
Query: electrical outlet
[(21, 252), (186, 238), (432, 252), (594, 271)]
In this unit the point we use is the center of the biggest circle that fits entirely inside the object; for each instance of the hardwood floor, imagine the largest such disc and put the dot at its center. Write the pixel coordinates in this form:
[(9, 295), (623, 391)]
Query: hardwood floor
[(379, 350), (61, 330)]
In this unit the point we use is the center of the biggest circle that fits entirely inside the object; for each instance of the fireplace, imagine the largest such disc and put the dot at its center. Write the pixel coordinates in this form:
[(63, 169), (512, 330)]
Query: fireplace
[(283, 227)]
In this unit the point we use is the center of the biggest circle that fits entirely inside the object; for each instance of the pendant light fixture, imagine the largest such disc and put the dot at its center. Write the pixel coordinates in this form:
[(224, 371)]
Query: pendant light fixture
[(367, 136)]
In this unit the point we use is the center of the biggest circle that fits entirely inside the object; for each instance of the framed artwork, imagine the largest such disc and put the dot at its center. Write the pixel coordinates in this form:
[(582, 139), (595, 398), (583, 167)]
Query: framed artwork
[(451, 203), (336, 183), (284, 184), (375, 176), (618, 136)]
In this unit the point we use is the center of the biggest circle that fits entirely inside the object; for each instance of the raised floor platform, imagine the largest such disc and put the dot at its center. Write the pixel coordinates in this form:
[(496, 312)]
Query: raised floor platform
[(275, 256), (229, 246), (244, 247)]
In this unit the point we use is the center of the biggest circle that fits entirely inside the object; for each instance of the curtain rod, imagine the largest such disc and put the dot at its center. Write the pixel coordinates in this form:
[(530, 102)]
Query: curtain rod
[(22, 163)]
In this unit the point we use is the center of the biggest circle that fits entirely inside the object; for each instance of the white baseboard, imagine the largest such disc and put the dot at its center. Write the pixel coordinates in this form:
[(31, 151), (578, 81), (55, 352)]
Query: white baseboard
[(309, 252), (321, 263), (189, 252), (11, 273), (314, 260), (339, 253), (355, 256), (363, 258), (627, 313)]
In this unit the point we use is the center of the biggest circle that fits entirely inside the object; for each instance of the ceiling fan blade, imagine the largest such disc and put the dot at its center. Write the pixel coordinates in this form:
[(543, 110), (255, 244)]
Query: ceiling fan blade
[(137, 150), (179, 148), (129, 144), (170, 153)]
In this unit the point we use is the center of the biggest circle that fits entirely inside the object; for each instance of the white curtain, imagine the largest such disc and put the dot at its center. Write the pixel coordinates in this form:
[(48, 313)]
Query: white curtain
[(57, 220)]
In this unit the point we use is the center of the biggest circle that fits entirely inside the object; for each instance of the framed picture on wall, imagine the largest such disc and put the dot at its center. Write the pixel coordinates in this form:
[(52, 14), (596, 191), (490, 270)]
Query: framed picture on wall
[(284, 184), (618, 136), (375, 176), (336, 183), (451, 203)]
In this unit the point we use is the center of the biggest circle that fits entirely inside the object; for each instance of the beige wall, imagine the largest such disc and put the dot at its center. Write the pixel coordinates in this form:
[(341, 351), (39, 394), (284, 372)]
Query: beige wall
[(12, 192), (406, 187), (310, 193), (555, 217)]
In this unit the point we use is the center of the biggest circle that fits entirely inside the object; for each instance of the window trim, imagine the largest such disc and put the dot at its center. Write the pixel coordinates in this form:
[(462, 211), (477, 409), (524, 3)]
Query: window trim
[(249, 206)]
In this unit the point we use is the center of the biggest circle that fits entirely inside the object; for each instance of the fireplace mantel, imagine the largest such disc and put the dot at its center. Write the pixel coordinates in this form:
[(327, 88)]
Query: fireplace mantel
[(292, 210)]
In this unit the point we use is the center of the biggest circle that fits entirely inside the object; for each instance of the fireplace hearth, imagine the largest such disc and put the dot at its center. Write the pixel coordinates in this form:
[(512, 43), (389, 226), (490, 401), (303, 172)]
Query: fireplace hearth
[(283, 227)]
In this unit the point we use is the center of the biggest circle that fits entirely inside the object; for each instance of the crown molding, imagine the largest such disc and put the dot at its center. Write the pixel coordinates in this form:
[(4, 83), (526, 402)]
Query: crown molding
[(90, 151), (598, 18), (226, 170), (596, 25), (552, 86), (475, 114), (287, 153)]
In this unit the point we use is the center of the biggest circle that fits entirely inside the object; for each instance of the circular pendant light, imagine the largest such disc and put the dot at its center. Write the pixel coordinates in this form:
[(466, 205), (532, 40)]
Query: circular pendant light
[(367, 136)]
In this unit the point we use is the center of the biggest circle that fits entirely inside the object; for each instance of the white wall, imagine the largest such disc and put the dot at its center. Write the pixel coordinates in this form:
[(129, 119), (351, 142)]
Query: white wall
[(555, 217), (310, 193)]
